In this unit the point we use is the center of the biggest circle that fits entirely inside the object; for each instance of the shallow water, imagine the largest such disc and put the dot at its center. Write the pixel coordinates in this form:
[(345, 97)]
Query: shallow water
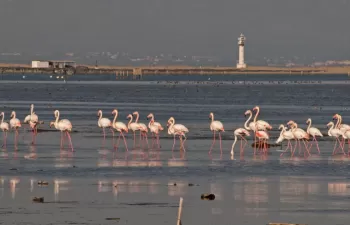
[(249, 190)]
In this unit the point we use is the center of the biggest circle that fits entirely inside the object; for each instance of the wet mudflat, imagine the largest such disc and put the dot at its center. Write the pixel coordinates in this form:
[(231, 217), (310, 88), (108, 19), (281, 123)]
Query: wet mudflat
[(99, 185)]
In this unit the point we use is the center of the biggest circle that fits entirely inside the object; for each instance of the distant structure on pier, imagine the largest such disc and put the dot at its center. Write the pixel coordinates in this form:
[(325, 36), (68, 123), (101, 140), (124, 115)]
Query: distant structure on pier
[(241, 42)]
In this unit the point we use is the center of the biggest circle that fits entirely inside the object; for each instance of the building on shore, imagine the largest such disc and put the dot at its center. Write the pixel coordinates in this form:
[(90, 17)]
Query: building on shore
[(53, 64), (241, 42)]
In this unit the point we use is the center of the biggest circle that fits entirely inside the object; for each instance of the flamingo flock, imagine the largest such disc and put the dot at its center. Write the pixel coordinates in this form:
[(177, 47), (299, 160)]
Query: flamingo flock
[(304, 140)]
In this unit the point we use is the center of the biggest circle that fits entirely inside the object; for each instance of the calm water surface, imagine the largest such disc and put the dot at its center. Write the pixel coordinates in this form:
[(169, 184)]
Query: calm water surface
[(249, 190)]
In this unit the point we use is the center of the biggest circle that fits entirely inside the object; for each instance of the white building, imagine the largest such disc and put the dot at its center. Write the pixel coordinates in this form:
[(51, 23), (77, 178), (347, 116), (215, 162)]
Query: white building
[(40, 64), (241, 42)]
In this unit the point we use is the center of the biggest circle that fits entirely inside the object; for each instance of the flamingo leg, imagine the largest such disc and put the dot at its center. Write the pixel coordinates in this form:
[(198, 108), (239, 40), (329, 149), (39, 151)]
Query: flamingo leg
[(335, 145), (286, 149), (318, 149), (240, 150), (146, 138), (134, 139), (104, 136), (295, 147), (116, 146), (348, 146), (16, 137), (212, 145), (220, 143), (70, 141), (172, 150), (112, 135), (61, 141), (158, 141), (126, 146), (183, 143), (306, 148)]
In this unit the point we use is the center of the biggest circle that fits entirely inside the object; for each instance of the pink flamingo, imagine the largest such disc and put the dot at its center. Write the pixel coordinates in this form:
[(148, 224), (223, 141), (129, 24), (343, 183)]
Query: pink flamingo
[(299, 134), (346, 135), (288, 135), (120, 127), (4, 127), (239, 132), (104, 123), (314, 132), (335, 132), (263, 136), (154, 127), (215, 126), (177, 129), (260, 125), (133, 126), (33, 120), (342, 127), (142, 127), (63, 125), (15, 124)]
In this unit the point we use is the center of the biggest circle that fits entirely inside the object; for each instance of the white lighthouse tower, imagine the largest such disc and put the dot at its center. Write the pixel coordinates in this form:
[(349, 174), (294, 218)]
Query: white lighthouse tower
[(241, 42)]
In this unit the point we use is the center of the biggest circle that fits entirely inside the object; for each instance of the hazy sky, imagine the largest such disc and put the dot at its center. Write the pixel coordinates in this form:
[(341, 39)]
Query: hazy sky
[(196, 27)]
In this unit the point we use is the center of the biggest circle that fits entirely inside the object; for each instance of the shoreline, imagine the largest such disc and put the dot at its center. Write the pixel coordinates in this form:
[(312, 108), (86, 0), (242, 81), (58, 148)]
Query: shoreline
[(172, 70)]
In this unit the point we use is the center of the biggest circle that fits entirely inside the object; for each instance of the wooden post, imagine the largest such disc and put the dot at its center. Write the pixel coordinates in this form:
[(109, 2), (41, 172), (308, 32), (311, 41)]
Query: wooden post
[(180, 211)]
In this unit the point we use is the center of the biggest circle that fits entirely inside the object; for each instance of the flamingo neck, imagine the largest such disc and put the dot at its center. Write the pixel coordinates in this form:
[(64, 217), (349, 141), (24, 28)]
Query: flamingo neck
[(14, 114), (31, 109), (57, 117), (246, 122), (100, 112), (282, 131), (3, 117), (212, 117), (137, 117), (171, 128), (233, 146), (130, 121), (308, 128), (115, 117), (256, 115), (331, 128), (340, 120)]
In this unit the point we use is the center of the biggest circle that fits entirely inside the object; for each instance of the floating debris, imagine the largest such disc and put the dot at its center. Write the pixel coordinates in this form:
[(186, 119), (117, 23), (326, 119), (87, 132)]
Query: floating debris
[(43, 182), (38, 199), (116, 219), (207, 196)]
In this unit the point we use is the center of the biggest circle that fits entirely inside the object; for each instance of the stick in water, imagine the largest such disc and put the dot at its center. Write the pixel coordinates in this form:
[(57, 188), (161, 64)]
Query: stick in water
[(180, 211)]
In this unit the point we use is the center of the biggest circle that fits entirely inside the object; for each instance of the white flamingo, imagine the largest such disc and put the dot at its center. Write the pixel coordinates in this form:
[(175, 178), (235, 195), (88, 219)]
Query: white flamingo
[(342, 127), (104, 123), (288, 135), (215, 126), (155, 128), (314, 132), (15, 123), (33, 120), (336, 133), (177, 129), (63, 125), (261, 124), (263, 136), (299, 134), (4, 126), (133, 126), (120, 127), (346, 135), (241, 133), (142, 127)]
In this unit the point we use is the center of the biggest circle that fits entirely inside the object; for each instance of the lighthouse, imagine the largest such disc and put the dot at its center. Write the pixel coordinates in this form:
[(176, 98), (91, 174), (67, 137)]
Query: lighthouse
[(241, 41)]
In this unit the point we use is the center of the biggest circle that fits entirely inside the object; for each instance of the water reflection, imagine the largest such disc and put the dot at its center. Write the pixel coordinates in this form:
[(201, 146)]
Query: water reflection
[(59, 185), (338, 189), (13, 189)]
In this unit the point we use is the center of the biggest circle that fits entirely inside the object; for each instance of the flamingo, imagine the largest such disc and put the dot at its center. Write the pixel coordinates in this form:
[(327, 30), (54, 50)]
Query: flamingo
[(342, 127), (299, 134), (154, 127), (215, 126), (133, 126), (15, 123), (120, 127), (239, 132), (262, 136), (177, 129), (4, 126), (314, 132), (142, 127), (346, 135), (259, 125), (154, 130), (288, 135), (63, 125), (104, 123), (335, 132), (33, 120)]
